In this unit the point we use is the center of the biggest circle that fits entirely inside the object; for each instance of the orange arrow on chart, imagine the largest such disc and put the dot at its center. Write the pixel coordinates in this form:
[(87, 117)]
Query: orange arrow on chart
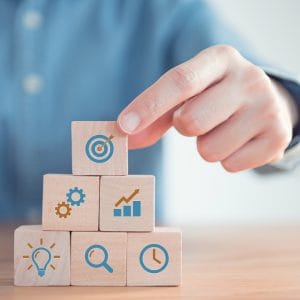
[(128, 199), (100, 147)]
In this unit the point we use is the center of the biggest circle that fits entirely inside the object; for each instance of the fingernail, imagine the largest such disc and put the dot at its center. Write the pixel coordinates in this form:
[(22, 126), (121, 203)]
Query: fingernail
[(130, 121)]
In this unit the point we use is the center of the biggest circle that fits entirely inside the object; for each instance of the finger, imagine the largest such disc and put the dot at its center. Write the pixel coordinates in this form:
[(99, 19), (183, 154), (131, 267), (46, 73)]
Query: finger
[(207, 110), (255, 153), (151, 134), (231, 135), (277, 158), (176, 86)]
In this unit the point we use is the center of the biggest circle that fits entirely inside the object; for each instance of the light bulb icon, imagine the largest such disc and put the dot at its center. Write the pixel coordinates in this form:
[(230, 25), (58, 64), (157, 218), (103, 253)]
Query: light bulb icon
[(41, 258)]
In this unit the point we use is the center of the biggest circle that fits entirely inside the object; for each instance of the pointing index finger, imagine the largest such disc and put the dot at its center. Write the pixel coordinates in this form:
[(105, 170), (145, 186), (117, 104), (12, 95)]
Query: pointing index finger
[(174, 87)]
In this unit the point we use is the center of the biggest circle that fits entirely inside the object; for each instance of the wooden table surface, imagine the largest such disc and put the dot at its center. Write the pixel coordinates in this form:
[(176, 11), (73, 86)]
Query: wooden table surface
[(225, 262)]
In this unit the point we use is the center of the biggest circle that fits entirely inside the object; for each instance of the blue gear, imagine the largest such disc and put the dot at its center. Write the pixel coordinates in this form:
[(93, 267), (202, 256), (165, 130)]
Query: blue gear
[(73, 191)]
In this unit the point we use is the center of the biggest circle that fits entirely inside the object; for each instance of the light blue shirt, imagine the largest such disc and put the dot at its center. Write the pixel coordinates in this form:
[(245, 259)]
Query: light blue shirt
[(64, 60)]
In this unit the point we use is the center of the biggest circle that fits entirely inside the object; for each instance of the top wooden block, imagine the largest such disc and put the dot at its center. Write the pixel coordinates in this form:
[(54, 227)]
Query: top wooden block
[(98, 148)]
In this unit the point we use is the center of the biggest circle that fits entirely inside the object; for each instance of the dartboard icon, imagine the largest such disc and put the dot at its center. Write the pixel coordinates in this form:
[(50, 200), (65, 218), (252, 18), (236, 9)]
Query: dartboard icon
[(99, 148)]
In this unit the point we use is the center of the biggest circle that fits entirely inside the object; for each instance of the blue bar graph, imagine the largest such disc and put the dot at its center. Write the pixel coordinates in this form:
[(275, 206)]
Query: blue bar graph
[(126, 211), (136, 208), (117, 212)]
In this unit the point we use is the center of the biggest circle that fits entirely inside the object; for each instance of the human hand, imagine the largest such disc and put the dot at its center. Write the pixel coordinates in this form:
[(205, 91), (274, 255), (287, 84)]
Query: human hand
[(240, 117)]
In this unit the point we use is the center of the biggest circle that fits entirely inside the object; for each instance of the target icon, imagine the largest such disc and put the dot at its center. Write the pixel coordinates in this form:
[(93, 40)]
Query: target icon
[(99, 148)]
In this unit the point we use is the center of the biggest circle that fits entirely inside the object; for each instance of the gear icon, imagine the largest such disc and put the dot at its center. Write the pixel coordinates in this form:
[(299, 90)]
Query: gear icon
[(63, 210), (75, 196)]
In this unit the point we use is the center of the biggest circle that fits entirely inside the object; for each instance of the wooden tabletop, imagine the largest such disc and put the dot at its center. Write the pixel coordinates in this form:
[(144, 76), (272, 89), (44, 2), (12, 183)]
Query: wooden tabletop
[(225, 262)]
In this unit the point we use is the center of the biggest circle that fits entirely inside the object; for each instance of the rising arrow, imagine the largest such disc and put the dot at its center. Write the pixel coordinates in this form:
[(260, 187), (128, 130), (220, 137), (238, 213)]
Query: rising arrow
[(128, 199)]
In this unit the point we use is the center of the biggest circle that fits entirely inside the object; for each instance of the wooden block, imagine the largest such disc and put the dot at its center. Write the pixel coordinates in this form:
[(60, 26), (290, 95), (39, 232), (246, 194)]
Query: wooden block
[(70, 202), (154, 258), (127, 203), (41, 258), (98, 148), (98, 258)]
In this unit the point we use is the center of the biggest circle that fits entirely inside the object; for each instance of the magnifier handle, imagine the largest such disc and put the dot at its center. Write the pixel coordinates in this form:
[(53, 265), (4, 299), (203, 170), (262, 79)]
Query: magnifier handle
[(108, 268)]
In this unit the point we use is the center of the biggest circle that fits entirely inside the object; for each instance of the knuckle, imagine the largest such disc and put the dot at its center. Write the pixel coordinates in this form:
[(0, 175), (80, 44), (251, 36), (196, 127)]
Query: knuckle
[(259, 90), (193, 123), (227, 50), (205, 152), (281, 137), (151, 107), (229, 166), (279, 128), (278, 157), (253, 72), (185, 124), (256, 82), (271, 111), (277, 139), (183, 77)]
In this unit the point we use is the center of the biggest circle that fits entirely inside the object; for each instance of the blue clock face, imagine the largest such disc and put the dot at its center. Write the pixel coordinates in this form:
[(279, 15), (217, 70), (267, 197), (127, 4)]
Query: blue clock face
[(154, 258)]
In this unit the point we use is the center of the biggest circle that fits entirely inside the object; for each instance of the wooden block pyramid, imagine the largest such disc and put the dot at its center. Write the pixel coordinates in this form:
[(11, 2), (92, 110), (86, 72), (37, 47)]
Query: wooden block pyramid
[(98, 223)]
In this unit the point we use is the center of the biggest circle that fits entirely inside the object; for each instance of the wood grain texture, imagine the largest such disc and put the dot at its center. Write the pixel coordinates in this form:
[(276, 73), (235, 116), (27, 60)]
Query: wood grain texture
[(154, 259), (30, 240), (59, 214), (83, 274), (226, 262), (82, 132), (115, 191)]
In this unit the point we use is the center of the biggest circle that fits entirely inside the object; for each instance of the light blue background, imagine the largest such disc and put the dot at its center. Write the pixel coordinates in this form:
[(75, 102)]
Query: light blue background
[(92, 58)]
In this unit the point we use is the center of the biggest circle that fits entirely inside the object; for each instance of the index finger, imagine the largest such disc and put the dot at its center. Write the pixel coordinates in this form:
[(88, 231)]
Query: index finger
[(174, 87)]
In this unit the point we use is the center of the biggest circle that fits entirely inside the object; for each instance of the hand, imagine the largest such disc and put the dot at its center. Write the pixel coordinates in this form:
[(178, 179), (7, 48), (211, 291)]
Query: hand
[(239, 115)]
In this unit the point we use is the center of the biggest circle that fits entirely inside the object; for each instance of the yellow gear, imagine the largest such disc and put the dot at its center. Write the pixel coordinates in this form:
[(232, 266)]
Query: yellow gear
[(63, 210)]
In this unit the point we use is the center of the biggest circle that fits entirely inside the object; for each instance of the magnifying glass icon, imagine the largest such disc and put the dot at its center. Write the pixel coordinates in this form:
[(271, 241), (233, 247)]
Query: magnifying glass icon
[(88, 255)]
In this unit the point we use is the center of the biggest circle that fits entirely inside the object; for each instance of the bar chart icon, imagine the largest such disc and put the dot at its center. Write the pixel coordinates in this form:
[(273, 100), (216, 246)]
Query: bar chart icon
[(128, 210)]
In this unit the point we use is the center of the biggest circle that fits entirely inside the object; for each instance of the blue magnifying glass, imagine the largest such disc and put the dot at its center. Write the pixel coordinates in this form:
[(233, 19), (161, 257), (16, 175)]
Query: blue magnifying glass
[(89, 252)]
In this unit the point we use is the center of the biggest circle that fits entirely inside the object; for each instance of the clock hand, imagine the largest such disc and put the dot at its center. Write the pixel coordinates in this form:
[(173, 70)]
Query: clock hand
[(154, 256)]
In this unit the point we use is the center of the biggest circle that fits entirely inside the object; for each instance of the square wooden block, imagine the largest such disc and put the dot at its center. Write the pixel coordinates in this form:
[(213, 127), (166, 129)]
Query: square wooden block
[(70, 202), (98, 258), (41, 258), (127, 203), (154, 258), (98, 148)]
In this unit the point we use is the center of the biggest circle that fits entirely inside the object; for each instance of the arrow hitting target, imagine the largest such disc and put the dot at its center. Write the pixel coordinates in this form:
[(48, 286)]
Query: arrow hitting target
[(99, 148)]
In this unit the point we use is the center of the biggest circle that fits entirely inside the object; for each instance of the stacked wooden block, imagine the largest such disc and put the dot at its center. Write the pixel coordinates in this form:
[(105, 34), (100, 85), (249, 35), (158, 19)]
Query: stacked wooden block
[(98, 223)]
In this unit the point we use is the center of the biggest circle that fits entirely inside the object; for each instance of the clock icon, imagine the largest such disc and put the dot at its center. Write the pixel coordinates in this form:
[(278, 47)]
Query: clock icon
[(154, 258)]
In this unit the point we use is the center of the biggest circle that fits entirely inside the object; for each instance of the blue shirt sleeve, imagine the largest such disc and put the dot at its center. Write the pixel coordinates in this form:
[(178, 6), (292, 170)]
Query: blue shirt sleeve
[(86, 60)]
